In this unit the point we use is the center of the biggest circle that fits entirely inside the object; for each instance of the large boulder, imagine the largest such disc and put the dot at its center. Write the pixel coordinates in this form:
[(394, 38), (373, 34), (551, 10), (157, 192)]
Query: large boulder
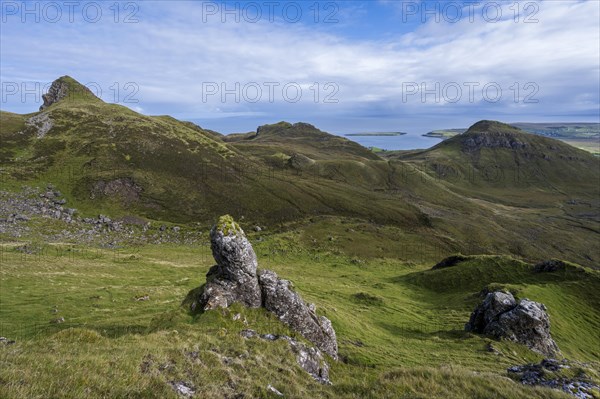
[(493, 305), (281, 300), (234, 279), (525, 322)]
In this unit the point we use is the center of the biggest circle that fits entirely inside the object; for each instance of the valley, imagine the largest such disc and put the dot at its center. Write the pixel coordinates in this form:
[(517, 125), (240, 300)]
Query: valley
[(105, 216)]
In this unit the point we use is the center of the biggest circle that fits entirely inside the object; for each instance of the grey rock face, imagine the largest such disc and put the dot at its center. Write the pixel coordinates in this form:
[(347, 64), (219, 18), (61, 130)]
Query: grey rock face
[(235, 279), (280, 299), (494, 141), (41, 123), (124, 189), (58, 90), (233, 253), (493, 305), (525, 322), (312, 361)]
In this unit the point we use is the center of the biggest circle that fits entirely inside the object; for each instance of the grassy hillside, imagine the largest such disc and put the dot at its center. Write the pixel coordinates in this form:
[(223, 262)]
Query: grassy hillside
[(176, 170), (399, 325), (96, 312), (300, 137), (109, 159), (585, 136)]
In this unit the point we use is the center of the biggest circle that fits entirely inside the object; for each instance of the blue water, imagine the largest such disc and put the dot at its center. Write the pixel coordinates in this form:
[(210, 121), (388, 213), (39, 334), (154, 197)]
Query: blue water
[(410, 141)]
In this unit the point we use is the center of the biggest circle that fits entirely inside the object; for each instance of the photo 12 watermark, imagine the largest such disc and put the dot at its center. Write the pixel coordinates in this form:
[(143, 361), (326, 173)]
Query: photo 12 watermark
[(471, 92), (115, 92), (270, 11), (54, 12), (271, 92), (471, 11)]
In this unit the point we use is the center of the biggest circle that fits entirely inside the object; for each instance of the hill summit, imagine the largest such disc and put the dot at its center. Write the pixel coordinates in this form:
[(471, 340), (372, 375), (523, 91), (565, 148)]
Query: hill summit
[(66, 87), (493, 134), (501, 138)]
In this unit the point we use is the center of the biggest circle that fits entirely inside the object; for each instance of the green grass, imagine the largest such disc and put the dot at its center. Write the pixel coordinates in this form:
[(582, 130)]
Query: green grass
[(189, 175), (399, 326), (357, 235)]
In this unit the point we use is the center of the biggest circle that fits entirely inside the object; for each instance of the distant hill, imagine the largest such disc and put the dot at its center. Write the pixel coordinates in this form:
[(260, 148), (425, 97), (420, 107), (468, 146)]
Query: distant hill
[(167, 169), (580, 130), (506, 155), (562, 130), (444, 133), (494, 189), (289, 138), (585, 136)]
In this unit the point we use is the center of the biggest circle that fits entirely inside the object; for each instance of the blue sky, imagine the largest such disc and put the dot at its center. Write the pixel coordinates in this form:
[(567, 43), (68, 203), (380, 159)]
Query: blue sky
[(343, 66)]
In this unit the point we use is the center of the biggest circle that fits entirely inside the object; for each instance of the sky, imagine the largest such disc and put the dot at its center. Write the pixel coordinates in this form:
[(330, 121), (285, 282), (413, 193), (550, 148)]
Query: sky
[(345, 66)]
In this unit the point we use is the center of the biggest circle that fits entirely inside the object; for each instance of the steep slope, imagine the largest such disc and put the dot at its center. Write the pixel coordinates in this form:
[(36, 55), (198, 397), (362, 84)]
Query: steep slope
[(538, 191), (108, 158)]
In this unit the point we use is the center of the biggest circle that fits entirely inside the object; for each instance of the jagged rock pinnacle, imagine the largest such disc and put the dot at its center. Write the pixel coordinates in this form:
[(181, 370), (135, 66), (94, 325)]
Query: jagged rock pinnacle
[(235, 279), (64, 87)]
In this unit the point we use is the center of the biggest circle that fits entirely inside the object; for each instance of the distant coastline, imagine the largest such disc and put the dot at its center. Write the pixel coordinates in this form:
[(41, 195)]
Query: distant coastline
[(445, 133)]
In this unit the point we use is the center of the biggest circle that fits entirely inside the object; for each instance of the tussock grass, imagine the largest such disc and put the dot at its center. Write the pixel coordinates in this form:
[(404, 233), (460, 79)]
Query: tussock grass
[(403, 338)]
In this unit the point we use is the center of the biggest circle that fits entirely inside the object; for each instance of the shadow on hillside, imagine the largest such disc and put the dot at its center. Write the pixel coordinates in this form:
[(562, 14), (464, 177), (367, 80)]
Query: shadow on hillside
[(423, 331)]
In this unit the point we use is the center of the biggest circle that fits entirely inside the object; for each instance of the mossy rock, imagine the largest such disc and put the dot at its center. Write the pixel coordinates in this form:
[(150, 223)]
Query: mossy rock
[(228, 226)]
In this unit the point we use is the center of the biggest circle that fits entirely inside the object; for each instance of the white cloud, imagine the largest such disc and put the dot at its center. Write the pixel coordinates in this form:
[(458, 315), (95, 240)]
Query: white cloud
[(173, 57)]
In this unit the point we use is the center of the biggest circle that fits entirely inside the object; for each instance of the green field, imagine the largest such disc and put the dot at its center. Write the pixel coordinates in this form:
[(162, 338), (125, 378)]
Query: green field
[(399, 326)]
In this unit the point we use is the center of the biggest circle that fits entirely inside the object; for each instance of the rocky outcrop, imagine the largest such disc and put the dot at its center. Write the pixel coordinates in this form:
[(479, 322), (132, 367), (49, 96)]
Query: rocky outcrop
[(41, 123), (123, 188), (550, 373), (494, 304), (61, 88), (494, 141), (235, 279), (280, 299), (309, 358), (58, 90), (525, 322), (549, 266), (493, 134), (19, 208)]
